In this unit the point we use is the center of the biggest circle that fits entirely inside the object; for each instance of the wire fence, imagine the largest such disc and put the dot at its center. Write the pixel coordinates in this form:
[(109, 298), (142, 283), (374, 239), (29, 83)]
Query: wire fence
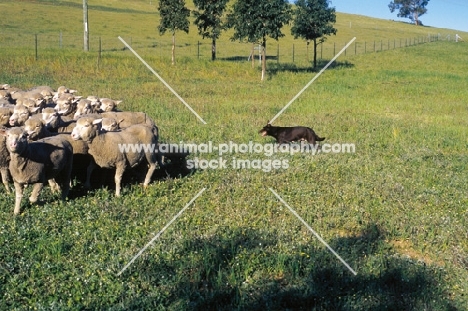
[(297, 52)]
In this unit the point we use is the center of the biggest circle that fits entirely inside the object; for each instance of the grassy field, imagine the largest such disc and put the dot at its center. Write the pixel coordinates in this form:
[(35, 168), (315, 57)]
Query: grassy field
[(395, 210)]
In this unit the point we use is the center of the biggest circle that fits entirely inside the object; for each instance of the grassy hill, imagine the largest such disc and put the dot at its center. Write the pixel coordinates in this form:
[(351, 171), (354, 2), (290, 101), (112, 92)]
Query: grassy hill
[(395, 210)]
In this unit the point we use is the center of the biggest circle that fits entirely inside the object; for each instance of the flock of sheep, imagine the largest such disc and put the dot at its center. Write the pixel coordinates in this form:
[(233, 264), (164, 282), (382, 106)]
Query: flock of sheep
[(43, 130)]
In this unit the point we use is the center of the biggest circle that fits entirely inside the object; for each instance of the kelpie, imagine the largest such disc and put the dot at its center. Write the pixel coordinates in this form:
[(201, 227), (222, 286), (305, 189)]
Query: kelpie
[(290, 134)]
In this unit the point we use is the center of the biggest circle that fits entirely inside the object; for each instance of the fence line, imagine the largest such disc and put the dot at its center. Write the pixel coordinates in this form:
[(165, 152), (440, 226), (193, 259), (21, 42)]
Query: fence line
[(226, 50)]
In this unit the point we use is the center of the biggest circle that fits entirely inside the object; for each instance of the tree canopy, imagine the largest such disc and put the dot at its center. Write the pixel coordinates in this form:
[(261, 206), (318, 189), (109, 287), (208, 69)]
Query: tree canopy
[(208, 19), (174, 16), (313, 21), (411, 9), (253, 21)]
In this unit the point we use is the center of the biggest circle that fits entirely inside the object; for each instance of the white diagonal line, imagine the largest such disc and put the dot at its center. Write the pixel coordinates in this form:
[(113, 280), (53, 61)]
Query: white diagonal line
[(162, 80), (312, 230), (312, 81), (161, 232)]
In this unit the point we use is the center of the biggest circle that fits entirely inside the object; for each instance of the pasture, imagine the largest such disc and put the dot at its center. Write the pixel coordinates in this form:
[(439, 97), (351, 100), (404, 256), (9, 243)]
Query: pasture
[(395, 210)]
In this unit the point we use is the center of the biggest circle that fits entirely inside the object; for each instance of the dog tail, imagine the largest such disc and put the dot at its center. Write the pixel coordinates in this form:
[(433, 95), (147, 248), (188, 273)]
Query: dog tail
[(319, 139)]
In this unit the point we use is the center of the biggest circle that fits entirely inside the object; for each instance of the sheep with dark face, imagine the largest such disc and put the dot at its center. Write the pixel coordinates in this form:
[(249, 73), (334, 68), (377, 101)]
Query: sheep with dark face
[(49, 159), (104, 147)]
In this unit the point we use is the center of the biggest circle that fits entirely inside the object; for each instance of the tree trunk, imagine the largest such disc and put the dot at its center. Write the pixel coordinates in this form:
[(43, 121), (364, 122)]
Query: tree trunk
[(315, 53), (263, 59), (213, 49), (253, 55), (173, 48)]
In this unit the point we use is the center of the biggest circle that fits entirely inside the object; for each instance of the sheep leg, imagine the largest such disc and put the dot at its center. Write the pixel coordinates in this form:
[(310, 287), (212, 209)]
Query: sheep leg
[(5, 179), (149, 174), (89, 170), (35, 192), (54, 185), (119, 170), (19, 196)]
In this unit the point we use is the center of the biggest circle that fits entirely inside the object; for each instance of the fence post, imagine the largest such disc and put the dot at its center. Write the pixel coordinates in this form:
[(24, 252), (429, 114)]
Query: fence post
[(293, 53), (277, 54), (99, 53), (35, 44)]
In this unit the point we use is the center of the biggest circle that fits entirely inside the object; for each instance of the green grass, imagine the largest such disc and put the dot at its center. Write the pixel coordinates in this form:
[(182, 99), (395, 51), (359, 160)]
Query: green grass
[(395, 210)]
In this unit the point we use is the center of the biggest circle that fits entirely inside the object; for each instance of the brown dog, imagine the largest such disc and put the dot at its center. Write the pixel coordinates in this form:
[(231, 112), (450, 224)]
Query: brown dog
[(290, 134)]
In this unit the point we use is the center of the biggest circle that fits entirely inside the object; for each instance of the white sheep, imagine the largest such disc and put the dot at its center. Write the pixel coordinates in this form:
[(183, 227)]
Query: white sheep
[(20, 114), (5, 114), (65, 104), (38, 162), (85, 106), (4, 163), (108, 104), (104, 147), (55, 122)]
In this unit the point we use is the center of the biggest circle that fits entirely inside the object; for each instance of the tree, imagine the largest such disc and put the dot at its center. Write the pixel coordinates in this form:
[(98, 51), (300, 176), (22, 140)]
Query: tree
[(174, 16), (411, 9), (253, 21), (209, 21), (313, 20)]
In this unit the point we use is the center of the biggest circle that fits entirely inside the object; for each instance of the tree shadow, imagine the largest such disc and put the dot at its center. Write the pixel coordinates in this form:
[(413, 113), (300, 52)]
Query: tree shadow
[(310, 279), (274, 69)]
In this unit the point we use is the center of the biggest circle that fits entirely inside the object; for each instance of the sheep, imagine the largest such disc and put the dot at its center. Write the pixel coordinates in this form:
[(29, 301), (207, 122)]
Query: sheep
[(4, 164), (36, 130), (109, 125), (20, 114), (37, 162), (5, 114), (108, 104), (62, 90), (104, 148), (55, 122), (34, 104), (129, 118), (5, 96), (66, 104), (84, 106)]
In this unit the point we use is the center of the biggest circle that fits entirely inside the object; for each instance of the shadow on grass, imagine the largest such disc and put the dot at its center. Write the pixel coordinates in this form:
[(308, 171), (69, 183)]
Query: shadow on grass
[(174, 167), (274, 68), (239, 269)]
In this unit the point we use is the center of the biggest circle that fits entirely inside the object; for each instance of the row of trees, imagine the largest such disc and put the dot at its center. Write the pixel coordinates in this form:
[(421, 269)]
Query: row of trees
[(253, 21)]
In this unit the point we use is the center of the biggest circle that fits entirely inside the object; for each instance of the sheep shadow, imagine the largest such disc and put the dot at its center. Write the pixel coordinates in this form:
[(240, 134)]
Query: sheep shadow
[(174, 167), (313, 279)]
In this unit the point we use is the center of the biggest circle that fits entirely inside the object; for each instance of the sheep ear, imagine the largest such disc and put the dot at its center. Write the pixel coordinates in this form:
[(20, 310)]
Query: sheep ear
[(97, 121), (117, 102), (120, 121), (3, 131)]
